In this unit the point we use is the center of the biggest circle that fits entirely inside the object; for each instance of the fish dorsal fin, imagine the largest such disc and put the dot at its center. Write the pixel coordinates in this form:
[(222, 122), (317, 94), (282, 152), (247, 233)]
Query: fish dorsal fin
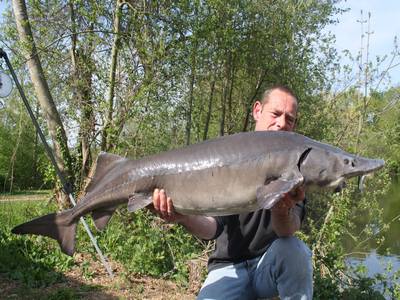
[(269, 194), (104, 163)]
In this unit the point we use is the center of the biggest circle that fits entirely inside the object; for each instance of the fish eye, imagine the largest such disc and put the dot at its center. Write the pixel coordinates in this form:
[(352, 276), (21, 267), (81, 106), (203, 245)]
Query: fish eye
[(346, 161)]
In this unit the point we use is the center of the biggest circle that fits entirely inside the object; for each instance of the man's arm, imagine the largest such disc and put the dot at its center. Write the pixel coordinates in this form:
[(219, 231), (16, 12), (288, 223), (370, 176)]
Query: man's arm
[(285, 221), (201, 226)]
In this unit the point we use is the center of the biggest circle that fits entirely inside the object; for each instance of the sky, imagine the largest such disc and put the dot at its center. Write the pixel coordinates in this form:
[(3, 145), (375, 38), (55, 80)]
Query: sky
[(384, 24)]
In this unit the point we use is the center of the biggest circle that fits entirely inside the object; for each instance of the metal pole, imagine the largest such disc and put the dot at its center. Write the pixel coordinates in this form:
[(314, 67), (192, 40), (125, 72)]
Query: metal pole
[(67, 187)]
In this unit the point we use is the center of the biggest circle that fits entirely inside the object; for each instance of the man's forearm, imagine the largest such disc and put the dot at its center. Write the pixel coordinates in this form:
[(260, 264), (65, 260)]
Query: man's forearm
[(285, 224), (201, 226)]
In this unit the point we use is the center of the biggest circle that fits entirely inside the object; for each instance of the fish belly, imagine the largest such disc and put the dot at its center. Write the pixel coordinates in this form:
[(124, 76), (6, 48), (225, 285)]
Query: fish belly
[(216, 191)]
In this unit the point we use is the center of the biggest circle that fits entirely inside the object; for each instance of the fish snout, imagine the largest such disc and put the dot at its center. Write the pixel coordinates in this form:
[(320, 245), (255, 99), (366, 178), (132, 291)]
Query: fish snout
[(357, 166)]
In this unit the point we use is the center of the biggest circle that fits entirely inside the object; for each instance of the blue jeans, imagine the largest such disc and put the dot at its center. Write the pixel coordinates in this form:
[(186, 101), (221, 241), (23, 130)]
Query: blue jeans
[(285, 269)]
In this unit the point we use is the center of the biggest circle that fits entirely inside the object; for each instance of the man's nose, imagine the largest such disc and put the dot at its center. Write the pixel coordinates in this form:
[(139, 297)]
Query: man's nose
[(281, 122)]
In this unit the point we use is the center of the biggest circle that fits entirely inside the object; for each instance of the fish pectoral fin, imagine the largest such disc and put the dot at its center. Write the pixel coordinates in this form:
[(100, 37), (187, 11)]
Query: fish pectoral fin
[(138, 201), (102, 216), (268, 195)]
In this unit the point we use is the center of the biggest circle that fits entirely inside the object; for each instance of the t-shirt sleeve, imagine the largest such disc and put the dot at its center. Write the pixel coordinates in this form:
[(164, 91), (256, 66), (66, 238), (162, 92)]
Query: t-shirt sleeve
[(220, 227)]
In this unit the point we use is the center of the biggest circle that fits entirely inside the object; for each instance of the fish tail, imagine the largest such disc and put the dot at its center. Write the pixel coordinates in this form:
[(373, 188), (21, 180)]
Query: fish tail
[(54, 226)]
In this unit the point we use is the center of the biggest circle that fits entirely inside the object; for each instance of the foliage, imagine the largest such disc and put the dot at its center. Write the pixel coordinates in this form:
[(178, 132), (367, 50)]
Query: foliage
[(169, 54), (33, 260), (145, 245), (135, 240), (187, 71), (21, 157), (335, 228)]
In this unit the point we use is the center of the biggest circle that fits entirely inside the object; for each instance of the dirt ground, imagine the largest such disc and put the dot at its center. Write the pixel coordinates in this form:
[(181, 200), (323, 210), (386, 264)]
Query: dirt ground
[(91, 281)]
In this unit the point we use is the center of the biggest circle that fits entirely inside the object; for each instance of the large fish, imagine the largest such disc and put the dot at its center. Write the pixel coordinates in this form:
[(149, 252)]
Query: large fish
[(228, 175)]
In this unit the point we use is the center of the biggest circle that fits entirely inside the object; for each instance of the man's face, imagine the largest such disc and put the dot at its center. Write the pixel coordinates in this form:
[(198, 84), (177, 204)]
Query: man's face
[(278, 113)]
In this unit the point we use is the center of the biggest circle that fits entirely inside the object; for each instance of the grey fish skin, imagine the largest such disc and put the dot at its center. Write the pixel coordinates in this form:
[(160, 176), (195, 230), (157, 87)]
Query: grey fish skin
[(227, 175)]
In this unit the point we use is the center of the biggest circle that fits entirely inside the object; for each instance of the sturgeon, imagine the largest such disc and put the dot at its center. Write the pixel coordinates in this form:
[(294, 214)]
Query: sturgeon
[(239, 173)]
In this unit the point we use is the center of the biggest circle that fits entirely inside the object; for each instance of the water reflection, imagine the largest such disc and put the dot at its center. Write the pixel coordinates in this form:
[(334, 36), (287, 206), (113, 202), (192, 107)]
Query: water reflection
[(391, 216), (377, 264)]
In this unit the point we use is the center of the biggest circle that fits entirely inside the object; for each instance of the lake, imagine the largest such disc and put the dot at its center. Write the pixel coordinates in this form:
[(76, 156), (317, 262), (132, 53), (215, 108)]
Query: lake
[(378, 260)]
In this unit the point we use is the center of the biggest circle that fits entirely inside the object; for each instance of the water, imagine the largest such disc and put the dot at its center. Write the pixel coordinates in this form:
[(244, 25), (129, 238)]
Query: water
[(377, 261), (375, 264)]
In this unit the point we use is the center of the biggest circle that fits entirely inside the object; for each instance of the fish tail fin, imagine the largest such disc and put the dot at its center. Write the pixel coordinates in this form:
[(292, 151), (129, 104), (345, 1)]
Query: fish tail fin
[(53, 226)]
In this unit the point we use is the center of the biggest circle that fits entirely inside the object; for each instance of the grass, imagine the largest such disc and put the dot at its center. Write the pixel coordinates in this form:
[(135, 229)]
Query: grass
[(33, 260), (34, 267)]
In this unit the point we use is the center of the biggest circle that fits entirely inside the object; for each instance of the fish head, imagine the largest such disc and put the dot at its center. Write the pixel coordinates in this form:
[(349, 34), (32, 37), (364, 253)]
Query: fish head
[(329, 167)]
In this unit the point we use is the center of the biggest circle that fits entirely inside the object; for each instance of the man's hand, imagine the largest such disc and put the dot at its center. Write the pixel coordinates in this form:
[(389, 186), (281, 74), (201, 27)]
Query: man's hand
[(289, 201), (164, 207), (284, 221)]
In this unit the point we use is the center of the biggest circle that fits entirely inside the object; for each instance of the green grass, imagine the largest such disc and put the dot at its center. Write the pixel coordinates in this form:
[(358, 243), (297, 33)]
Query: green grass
[(33, 265), (33, 260), (143, 244)]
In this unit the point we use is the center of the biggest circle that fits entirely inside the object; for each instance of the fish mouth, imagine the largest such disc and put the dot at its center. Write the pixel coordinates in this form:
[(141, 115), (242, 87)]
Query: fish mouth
[(337, 185)]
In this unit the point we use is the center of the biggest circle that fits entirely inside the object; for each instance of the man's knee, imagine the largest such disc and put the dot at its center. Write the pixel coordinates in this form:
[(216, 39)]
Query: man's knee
[(286, 266), (292, 251)]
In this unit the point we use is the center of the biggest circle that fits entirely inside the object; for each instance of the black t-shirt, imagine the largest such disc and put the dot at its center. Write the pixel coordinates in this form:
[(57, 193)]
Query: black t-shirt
[(244, 236)]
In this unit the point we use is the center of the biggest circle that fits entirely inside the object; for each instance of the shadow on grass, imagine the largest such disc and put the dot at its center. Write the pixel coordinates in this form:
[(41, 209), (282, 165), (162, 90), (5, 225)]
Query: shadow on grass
[(30, 271)]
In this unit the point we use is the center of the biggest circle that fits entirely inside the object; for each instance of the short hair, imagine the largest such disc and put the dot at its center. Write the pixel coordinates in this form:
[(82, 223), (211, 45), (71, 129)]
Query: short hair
[(280, 87)]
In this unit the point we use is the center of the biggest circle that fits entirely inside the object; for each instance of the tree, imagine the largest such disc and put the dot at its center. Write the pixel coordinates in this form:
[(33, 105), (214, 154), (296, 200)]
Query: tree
[(106, 138), (56, 128)]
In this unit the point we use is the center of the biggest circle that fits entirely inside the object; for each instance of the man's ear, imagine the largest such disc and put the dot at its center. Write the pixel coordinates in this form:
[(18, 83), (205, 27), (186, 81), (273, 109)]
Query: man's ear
[(296, 122), (257, 109)]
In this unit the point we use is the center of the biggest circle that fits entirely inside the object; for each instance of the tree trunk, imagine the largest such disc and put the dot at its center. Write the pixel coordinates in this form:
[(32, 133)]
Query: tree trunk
[(232, 79), (106, 136), (36, 150), (55, 126), (191, 96), (224, 95), (208, 118), (82, 89), (252, 99)]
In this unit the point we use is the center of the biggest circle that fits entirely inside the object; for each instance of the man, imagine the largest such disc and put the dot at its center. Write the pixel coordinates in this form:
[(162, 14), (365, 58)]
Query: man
[(256, 255)]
